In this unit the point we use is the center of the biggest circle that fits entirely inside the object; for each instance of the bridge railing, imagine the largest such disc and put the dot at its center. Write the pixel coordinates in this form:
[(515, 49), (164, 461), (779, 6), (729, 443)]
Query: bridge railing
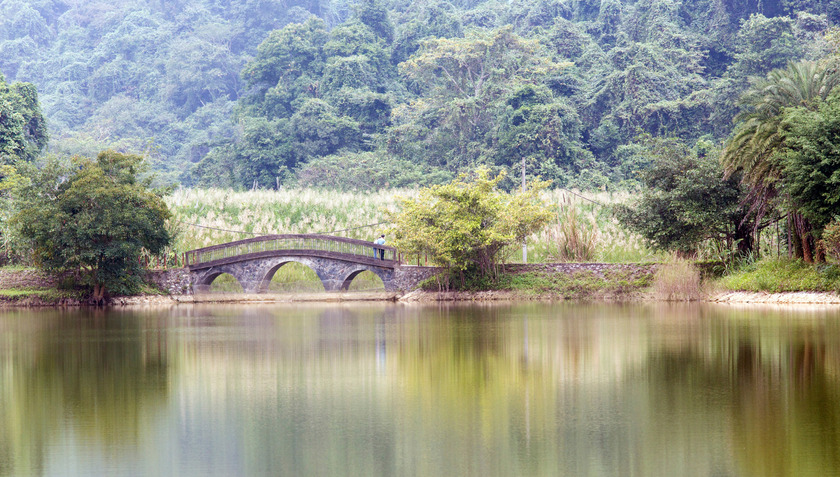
[(268, 243)]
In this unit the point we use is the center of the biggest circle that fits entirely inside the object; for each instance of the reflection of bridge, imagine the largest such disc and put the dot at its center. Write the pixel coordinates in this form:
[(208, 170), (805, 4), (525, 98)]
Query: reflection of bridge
[(336, 261)]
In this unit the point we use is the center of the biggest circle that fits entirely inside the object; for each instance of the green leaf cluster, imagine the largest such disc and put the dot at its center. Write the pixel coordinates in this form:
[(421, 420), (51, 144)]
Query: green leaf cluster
[(365, 171), (786, 146), (465, 224), (810, 161), (686, 202), (23, 130)]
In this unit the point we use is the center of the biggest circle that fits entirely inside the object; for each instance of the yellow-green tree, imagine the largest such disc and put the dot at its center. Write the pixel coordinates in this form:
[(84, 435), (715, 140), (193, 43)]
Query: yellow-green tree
[(464, 225)]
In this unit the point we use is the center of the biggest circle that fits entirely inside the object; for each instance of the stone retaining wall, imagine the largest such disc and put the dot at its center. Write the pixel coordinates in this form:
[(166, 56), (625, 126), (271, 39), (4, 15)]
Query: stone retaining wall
[(408, 277), (634, 270), (175, 281), (25, 279)]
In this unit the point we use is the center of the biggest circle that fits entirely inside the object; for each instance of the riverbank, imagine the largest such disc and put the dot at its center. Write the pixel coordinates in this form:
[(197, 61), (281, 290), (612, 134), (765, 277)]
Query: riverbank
[(30, 288), (729, 297)]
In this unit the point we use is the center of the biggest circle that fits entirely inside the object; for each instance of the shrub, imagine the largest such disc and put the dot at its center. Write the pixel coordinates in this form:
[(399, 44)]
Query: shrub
[(465, 225), (576, 238), (677, 280), (831, 240), (784, 275)]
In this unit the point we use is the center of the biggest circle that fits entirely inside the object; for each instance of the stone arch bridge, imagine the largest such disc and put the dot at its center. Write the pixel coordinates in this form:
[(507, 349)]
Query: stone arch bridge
[(336, 261)]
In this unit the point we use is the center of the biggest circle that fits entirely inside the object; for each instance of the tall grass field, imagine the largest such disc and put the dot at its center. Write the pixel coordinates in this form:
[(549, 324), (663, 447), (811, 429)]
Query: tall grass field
[(584, 229)]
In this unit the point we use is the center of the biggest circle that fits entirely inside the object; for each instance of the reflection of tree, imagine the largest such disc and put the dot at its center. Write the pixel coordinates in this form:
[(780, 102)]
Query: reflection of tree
[(771, 386), (452, 390), (662, 391), (102, 373), (472, 388), (786, 415)]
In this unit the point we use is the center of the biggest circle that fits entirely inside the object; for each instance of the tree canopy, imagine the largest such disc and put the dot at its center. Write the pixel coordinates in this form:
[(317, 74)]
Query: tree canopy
[(810, 161), (772, 154), (685, 202), (93, 220), (258, 90), (23, 131), (466, 224)]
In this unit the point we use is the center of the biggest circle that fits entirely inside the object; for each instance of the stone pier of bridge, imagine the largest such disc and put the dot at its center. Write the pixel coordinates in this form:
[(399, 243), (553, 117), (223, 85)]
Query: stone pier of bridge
[(255, 275)]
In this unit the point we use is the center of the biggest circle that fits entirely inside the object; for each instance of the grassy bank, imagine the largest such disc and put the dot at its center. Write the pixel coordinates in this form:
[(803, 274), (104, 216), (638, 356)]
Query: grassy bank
[(602, 282), (39, 297), (20, 286), (783, 275), (581, 285)]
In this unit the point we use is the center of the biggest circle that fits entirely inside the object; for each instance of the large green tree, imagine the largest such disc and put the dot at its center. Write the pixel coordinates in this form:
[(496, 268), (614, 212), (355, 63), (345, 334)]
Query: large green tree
[(23, 135), (546, 130), (93, 220), (758, 139), (464, 83), (686, 202), (810, 161)]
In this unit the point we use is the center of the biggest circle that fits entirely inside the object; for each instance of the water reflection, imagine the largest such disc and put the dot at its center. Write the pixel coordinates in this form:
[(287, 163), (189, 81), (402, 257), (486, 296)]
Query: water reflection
[(99, 376), (521, 389)]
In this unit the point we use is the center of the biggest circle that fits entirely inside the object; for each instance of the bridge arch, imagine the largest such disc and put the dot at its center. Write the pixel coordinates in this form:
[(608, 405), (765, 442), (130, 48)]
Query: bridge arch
[(254, 274), (345, 285), (204, 281), (334, 274), (273, 266)]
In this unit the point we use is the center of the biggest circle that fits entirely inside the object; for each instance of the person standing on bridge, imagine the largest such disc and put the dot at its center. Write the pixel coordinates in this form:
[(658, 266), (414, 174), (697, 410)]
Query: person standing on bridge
[(379, 241)]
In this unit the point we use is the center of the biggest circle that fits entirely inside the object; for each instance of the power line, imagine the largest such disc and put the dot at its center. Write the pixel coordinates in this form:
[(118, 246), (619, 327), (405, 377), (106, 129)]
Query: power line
[(217, 228), (354, 228), (242, 232), (582, 197)]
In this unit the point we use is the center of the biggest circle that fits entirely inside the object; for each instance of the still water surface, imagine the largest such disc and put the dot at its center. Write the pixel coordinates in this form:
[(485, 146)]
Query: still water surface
[(390, 390)]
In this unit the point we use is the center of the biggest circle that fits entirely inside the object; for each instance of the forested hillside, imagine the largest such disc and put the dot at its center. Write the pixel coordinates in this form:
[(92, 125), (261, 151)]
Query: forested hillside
[(376, 93)]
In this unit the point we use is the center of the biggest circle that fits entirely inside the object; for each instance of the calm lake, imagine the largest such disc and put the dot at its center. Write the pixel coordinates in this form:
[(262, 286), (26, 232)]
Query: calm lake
[(397, 390)]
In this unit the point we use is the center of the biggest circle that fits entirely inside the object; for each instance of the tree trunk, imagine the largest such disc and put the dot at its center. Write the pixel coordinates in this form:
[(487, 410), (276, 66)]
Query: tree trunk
[(819, 256), (98, 297), (744, 238), (803, 241)]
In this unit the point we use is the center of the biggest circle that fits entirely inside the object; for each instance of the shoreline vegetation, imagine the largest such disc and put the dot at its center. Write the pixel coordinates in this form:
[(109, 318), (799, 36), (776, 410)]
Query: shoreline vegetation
[(20, 287), (585, 232)]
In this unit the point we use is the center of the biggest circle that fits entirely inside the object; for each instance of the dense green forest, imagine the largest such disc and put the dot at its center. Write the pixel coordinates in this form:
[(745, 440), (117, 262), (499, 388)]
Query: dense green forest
[(376, 93)]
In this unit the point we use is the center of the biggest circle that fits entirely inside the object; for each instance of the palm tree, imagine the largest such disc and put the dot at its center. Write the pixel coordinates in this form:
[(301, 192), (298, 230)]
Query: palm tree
[(757, 138)]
